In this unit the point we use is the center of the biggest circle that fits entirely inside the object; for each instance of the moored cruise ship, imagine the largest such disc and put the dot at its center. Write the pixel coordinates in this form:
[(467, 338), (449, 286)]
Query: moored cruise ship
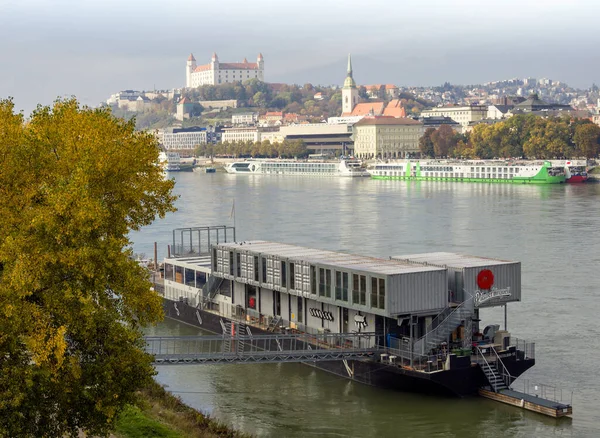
[(493, 171), (343, 168)]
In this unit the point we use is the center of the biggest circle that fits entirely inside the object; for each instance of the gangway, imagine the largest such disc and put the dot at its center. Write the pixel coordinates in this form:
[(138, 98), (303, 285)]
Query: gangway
[(244, 348)]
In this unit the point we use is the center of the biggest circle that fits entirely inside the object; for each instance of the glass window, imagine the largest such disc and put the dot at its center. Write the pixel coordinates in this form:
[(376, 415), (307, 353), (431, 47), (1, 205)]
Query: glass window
[(179, 274), (328, 283), (200, 279), (255, 268), (292, 276), (355, 288), (338, 285), (321, 282), (264, 269), (300, 310), (313, 280), (374, 292), (363, 290), (238, 264), (283, 274), (168, 271), (214, 259), (345, 286), (381, 298)]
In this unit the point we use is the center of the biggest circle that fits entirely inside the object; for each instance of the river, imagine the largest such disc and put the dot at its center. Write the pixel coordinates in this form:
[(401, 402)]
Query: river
[(553, 230)]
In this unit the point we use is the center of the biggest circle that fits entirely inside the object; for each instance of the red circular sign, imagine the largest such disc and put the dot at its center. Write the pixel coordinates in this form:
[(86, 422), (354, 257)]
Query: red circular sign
[(252, 303), (485, 279)]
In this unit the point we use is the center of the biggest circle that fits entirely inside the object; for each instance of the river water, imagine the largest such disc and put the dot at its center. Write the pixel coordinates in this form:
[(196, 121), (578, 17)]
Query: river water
[(553, 230)]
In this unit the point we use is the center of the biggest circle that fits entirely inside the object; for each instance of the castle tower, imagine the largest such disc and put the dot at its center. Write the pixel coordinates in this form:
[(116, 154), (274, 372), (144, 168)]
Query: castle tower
[(260, 62), (189, 68), (349, 91)]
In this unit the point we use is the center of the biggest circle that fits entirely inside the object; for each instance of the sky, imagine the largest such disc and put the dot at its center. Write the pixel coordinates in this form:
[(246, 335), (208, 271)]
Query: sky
[(93, 48)]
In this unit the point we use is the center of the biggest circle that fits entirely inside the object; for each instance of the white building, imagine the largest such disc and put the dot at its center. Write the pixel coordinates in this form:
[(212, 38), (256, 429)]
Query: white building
[(386, 137), (182, 139), (240, 134), (349, 92), (461, 114), (244, 119), (217, 72)]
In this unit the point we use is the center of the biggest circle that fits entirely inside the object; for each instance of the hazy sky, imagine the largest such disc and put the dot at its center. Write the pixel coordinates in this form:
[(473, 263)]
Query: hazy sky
[(92, 48)]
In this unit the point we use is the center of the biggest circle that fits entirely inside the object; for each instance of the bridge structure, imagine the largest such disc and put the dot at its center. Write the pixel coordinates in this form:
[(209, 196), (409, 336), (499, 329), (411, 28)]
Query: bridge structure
[(248, 348)]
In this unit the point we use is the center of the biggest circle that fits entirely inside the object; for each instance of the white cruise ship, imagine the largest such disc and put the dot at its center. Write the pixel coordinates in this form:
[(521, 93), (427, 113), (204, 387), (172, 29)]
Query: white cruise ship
[(342, 168), (170, 161)]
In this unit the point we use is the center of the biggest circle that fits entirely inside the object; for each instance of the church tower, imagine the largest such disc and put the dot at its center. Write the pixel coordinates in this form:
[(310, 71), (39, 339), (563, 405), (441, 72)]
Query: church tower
[(349, 91), (189, 68)]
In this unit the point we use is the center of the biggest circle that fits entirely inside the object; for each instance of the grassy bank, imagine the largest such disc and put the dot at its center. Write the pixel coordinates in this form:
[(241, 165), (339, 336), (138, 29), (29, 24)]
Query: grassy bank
[(160, 414)]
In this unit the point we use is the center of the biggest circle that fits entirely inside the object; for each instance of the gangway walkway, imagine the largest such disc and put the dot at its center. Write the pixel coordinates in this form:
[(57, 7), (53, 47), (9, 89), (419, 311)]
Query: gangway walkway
[(243, 348)]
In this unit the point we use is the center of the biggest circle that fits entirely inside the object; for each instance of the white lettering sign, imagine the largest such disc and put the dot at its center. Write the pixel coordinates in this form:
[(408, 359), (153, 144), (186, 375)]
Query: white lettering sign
[(360, 321), (481, 296)]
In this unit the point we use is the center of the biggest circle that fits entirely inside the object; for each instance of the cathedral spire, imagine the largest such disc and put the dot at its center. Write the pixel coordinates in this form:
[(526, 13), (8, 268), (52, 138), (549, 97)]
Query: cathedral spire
[(349, 65), (349, 82)]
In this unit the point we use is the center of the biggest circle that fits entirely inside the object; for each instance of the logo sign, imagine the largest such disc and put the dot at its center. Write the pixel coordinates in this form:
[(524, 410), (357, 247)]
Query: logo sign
[(485, 279), (318, 313), (360, 321), (481, 296)]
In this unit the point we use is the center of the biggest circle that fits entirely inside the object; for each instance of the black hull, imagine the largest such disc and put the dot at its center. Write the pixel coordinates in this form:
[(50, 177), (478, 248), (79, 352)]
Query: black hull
[(458, 381)]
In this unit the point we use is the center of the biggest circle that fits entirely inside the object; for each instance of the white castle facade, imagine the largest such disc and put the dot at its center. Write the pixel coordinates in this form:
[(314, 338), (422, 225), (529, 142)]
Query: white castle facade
[(216, 72)]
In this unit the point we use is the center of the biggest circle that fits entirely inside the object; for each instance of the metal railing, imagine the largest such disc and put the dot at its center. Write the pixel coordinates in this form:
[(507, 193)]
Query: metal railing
[(261, 348), (528, 348), (544, 391), (507, 378), (401, 348), (485, 365)]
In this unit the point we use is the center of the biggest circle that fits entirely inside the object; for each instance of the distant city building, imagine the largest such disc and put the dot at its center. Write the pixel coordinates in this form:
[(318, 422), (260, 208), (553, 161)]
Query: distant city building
[(184, 109), (232, 135), (386, 137), (183, 140), (216, 72), (499, 111), (436, 121), (391, 90), (533, 104), (244, 119), (461, 114)]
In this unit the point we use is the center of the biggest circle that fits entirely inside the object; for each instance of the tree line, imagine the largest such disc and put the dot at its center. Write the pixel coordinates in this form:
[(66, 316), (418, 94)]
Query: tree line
[(259, 149), (525, 136)]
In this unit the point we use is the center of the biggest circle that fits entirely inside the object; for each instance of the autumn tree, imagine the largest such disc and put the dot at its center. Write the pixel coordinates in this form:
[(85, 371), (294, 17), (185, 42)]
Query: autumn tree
[(74, 183), (444, 140), (426, 144), (587, 140)]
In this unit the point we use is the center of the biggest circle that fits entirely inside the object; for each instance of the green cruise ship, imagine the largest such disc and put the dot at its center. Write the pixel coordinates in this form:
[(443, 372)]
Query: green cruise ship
[(481, 171)]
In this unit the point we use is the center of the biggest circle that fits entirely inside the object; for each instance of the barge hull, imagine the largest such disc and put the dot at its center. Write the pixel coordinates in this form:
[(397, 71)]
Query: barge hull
[(459, 382)]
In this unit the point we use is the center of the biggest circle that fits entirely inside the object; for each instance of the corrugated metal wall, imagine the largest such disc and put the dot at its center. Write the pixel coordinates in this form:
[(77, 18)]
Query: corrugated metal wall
[(417, 292)]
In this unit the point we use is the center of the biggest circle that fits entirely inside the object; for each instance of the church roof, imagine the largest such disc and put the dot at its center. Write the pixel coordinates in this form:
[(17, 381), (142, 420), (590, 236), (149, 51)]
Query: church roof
[(366, 108), (394, 109), (349, 82)]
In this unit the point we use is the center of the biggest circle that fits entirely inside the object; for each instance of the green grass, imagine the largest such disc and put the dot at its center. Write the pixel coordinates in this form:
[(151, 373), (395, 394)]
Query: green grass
[(133, 423)]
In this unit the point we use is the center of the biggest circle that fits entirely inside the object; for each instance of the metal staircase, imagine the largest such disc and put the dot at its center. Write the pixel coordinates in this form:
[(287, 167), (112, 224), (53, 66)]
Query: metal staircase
[(210, 289), (442, 326)]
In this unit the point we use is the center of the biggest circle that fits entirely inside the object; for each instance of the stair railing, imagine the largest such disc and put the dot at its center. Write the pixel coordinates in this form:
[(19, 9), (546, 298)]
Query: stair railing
[(506, 377), (489, 368)]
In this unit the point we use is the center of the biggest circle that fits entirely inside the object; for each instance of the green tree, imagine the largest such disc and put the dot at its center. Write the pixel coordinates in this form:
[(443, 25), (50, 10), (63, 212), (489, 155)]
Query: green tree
[(426, 144), (74, 183), (587, 140)]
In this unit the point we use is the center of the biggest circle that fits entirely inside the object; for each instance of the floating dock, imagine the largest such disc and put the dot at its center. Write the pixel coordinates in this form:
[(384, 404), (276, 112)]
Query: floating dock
[(529, 402)]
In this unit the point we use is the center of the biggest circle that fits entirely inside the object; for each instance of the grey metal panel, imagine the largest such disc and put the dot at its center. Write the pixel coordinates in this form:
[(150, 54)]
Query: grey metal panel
[(417, 292)]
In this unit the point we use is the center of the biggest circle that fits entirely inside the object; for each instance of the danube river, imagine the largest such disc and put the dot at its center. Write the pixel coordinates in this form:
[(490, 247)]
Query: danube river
[(553, 230)]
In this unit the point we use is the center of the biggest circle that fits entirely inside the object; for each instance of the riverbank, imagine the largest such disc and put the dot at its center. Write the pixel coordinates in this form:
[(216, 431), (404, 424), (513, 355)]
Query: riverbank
[(160, 414)]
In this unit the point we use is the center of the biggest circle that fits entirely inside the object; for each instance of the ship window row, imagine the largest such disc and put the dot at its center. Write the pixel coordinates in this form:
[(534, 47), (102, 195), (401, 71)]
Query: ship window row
[(493, 169), (323, 282), (189, 277)]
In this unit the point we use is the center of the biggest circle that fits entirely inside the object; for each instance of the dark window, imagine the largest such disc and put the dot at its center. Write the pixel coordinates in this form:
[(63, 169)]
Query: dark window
[(373, 292), (321, 282), (345, 287), (179, 274), (200, 279), (264, 270), (381, 293), (238, 264), (313, 280), (168, 271), (190, 277), (255, 268), (283, 274), (214, 259), (328, 283), (292, 276), (300, 312), (338, 285), (363, 290), (230, 262), (355, 288)]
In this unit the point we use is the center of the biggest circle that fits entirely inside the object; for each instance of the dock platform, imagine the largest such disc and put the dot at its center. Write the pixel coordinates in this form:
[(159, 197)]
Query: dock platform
[(529, 402)]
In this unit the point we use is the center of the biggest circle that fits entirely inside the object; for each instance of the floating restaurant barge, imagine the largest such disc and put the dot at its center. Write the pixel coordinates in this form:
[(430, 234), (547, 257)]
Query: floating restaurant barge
[(424, 309)]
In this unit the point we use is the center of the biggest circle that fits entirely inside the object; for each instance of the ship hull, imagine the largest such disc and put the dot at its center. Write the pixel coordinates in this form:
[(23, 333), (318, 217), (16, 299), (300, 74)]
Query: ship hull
[(575, 179), (457, 382)]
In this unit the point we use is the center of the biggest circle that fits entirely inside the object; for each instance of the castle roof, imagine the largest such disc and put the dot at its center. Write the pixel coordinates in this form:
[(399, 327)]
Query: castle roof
[(260, 57), (184, 101), (238, 65), (203, 67), (191, 57)]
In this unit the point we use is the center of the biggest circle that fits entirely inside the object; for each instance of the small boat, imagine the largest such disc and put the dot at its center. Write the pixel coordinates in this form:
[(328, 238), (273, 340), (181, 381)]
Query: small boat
[(210, 170)]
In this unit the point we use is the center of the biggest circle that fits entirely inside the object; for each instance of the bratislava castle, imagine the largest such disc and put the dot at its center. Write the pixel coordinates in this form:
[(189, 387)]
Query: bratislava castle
[(216, 72)]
